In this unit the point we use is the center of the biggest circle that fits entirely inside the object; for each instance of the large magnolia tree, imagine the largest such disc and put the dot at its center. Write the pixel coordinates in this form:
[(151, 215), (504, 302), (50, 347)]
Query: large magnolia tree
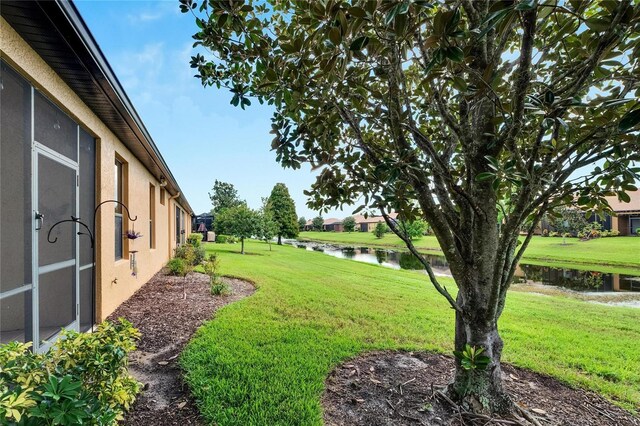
[(476, 116)]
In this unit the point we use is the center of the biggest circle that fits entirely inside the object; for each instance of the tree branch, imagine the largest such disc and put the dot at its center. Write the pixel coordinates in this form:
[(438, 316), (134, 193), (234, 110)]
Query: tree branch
[(427, 266)]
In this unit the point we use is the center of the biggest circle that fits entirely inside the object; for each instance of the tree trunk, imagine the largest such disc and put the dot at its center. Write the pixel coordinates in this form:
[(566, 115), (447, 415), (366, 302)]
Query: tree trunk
[(242, 245), (479, 390), (279, 239)]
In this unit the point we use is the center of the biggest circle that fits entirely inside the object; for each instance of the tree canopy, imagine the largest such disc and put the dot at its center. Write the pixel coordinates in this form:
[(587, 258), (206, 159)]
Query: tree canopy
[(317, 223), (283, 211), (380, 229), (349, 224), (456, 113), (239, 221), (224, 196), (267, 227)]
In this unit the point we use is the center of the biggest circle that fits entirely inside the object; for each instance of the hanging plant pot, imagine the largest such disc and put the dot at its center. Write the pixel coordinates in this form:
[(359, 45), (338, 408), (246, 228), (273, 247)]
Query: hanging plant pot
[(132, 234)]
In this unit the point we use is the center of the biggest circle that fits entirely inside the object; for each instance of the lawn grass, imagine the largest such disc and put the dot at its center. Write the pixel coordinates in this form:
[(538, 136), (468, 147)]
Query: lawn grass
[(263, 360), (621, 252)]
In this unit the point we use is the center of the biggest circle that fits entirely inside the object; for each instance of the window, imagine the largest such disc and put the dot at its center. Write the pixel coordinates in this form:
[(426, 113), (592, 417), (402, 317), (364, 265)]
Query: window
[(177, 225), (152, 216), (183, 236), (162, 195), (119, 235)]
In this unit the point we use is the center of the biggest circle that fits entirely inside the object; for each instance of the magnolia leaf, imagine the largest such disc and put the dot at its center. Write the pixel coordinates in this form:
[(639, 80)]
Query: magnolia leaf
[(335, 36), (454, 53), (391, 15), (526, 5), (598, 24), (485, 176), (624, 197), (630, 120), (357, 12), (359, 43)]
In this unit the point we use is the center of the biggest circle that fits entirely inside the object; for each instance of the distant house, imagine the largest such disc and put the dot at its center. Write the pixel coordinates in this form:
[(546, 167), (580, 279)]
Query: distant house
[(333, 224), (627, 215), (308, 226), (367, 224), (625, 218)]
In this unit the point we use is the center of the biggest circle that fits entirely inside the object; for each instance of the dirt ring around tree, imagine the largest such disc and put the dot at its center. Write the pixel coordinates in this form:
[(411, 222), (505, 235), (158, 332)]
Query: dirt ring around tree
[(395, 388), (168, 310)]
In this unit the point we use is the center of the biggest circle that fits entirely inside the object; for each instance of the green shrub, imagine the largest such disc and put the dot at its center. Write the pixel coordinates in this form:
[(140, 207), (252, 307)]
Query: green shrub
[(614, 233), (194, 239), (83, 379), (211, 265), (219, 288), (380, 229), (193, 255), (553, 234), (211, 268), (226, 239), (177, 266)]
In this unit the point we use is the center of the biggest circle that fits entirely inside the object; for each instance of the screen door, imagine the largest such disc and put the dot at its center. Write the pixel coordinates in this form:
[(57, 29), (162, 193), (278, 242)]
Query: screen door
[(57, 272)]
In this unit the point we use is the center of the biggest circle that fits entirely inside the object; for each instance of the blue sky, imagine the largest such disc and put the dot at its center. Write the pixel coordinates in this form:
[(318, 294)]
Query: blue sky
[(201, 136)]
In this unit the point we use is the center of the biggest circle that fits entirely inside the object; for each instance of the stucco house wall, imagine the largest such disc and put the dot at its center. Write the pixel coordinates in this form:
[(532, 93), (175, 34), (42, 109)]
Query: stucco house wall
[(114, 280)]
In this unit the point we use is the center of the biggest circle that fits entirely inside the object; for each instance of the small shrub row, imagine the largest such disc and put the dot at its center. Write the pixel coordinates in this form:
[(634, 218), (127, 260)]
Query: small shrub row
[(83, 379), (586, 233), (226, 239)]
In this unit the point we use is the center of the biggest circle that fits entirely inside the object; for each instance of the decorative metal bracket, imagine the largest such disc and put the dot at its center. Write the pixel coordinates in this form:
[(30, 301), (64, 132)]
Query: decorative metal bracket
[(91, 234)]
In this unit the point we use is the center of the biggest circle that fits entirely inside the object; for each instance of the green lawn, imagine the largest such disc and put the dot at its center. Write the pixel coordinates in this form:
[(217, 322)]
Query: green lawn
[(263, 360), (611, 251)]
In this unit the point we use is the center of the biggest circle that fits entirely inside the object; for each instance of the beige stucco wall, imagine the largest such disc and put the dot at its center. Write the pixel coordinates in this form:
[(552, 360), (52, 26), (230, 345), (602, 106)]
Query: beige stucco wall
[(114, 282)]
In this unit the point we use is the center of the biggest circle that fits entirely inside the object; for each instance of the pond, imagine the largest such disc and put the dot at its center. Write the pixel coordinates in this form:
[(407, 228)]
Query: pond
[(572, 279)]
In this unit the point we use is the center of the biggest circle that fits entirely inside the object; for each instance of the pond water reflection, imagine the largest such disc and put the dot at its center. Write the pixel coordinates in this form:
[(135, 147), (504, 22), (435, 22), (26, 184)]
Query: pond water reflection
[(573, 279)]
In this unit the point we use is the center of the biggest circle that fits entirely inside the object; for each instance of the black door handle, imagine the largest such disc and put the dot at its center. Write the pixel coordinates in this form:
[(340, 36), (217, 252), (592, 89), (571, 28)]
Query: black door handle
[(40, 219)]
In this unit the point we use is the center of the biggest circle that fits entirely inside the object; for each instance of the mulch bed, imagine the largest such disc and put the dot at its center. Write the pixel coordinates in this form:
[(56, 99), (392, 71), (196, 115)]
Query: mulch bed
[(394, 388), (167, 320)]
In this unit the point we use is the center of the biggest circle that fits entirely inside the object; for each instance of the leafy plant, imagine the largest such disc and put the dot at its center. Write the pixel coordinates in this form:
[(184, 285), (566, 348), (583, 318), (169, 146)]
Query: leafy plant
[(349, 224), (281, 209), (223, 196), (132, 235), (380, 229), (463, 114), (472, 358), (194, 239), (220, 288), (317, 223), (177, 266), (211, 268), (240, 221), (192, 254), (211, 265), (83, 379)]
